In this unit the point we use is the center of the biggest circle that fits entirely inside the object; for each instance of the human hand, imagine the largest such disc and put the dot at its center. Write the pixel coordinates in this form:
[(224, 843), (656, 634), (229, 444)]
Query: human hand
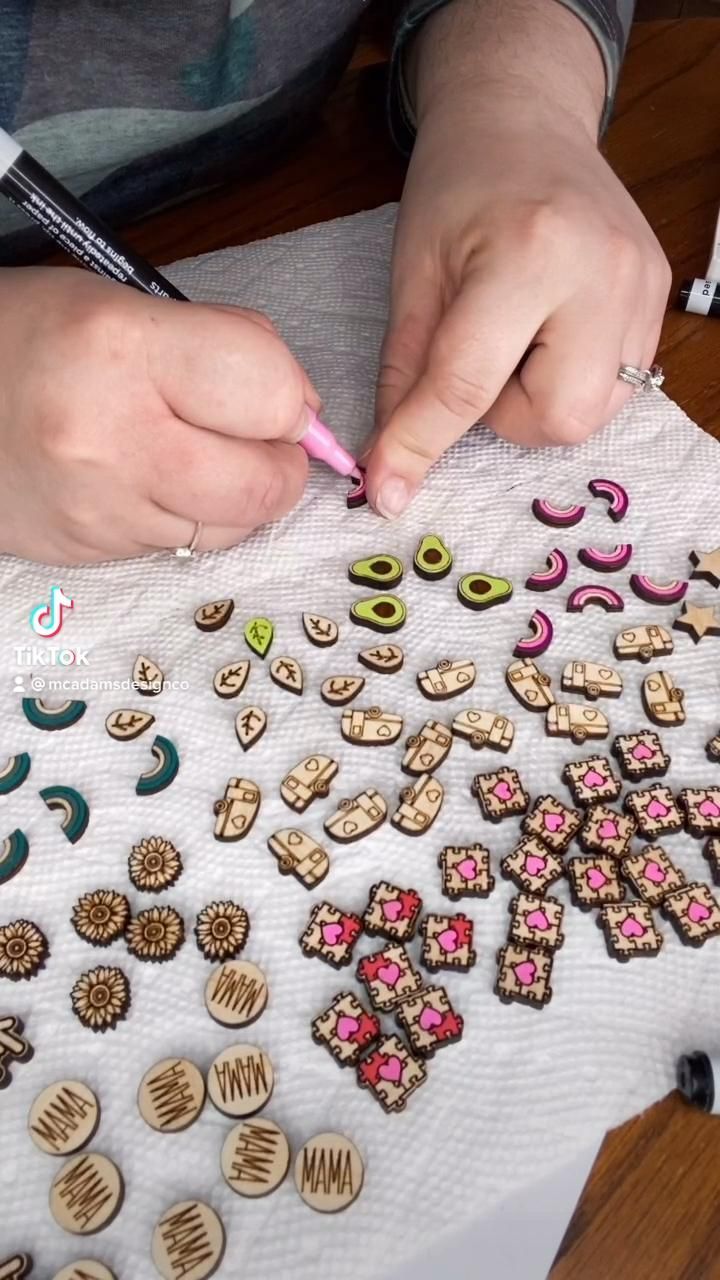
[(514, 236), (125, 419)]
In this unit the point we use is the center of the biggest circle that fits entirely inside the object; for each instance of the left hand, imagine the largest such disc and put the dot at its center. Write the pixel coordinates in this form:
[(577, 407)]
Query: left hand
[(514, 237)]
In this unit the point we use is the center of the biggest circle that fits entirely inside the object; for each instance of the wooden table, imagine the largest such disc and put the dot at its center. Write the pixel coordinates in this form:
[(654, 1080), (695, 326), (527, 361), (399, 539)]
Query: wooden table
[(650, 1210)]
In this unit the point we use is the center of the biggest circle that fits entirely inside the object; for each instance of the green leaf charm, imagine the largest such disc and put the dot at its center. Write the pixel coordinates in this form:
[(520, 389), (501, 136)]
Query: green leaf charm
[(259, 633)]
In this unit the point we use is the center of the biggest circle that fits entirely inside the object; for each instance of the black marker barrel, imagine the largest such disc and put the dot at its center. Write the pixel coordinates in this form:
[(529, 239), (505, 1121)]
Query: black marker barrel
[(698, 1076), (72, 226)]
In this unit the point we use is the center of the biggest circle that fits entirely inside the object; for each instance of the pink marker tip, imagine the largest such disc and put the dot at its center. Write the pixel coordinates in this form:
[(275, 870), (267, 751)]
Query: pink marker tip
[(319, 442)]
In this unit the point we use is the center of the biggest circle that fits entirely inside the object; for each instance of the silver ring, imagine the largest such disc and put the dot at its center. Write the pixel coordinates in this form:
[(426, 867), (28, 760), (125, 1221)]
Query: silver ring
[(644, 379), (186, 553)]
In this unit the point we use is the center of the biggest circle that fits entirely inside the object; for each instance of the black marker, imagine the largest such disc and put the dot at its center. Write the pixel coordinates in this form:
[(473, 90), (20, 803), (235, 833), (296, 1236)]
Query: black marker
[(66, 220), (698, 1079), (95, 245)]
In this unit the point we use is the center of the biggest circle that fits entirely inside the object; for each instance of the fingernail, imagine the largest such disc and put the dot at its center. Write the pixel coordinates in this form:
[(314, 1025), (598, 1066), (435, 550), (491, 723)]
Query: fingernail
[(393, 497)]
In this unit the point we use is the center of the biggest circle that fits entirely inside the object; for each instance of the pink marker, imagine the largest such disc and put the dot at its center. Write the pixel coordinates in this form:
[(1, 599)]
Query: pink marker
[(319, 442)]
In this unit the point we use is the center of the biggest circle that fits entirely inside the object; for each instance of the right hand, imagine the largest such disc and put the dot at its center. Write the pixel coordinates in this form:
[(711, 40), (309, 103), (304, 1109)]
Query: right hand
[(124, 419)]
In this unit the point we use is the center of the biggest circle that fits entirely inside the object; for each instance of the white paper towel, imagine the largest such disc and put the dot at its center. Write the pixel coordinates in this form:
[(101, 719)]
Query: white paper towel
[(525, 1089)]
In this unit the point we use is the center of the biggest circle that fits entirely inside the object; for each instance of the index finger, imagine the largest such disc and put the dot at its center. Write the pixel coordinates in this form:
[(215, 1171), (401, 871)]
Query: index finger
[(479, 342)]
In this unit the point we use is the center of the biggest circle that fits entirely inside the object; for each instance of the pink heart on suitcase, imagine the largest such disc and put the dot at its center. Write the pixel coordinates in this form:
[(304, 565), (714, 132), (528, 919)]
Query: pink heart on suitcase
[(525, 972), (346, 1027), (391, 1070), (534, 864), (468, 868), (429, 1018), (593, 778), (554, 822), (654, 873), (631, 928)]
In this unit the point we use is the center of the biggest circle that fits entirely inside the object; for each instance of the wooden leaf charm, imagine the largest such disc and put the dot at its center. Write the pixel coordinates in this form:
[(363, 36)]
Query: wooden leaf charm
[(231, 679), (337, 691), (147, 677), (250, 725), (287, 674), (384, 658), (320, 631), (213, 616), (127, 724)]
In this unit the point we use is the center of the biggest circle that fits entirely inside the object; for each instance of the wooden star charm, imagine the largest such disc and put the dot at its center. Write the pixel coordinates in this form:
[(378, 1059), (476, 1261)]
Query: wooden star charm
[(698, 622), (706, 565), (13, 1046)]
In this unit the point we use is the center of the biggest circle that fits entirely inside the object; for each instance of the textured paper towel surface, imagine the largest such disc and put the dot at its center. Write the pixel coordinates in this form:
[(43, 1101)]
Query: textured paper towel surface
[(525, 1089)]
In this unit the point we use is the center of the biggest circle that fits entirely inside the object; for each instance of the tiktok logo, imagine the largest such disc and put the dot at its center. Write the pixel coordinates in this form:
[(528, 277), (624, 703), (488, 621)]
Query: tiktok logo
[(46, 619)]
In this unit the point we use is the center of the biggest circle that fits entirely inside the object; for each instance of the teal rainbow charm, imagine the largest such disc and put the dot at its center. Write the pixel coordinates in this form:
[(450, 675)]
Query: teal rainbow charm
[(72, 806), (163, 771), (15, 772), (62, 717), (13, 855)]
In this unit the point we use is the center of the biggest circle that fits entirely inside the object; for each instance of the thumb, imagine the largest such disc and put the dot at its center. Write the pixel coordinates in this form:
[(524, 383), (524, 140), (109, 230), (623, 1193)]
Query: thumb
[(222, 370), (473, 351), (415, 311)]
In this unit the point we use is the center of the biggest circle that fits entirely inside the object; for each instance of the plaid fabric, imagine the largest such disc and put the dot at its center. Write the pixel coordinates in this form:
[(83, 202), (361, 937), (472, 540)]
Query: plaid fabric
[(135, 105), (608, 20)]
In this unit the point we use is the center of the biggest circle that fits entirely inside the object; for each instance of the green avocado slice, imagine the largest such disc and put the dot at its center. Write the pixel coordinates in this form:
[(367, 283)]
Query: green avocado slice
[(379, 613), (482, 591), (376, 571), (432, 560)]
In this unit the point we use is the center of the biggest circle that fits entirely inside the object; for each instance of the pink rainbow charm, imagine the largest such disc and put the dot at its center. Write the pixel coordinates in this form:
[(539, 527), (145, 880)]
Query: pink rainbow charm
[(605, 597), (556, 517), (618, 501), (606, 561), (539, 639), (658, 593), (553, 575), (357, 493)]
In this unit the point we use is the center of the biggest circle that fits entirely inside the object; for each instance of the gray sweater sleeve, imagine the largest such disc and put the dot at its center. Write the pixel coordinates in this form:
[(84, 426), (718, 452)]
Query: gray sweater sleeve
[(608, 20)]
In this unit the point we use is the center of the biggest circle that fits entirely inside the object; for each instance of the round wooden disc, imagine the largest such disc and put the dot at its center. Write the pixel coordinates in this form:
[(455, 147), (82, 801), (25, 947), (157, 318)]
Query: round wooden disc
[(236, 993), (85, 1269), (171, 1095), (329, 1172), (188, 1241), (86, 1194), (255, 1157), (64, 1117), (240, 1080)]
